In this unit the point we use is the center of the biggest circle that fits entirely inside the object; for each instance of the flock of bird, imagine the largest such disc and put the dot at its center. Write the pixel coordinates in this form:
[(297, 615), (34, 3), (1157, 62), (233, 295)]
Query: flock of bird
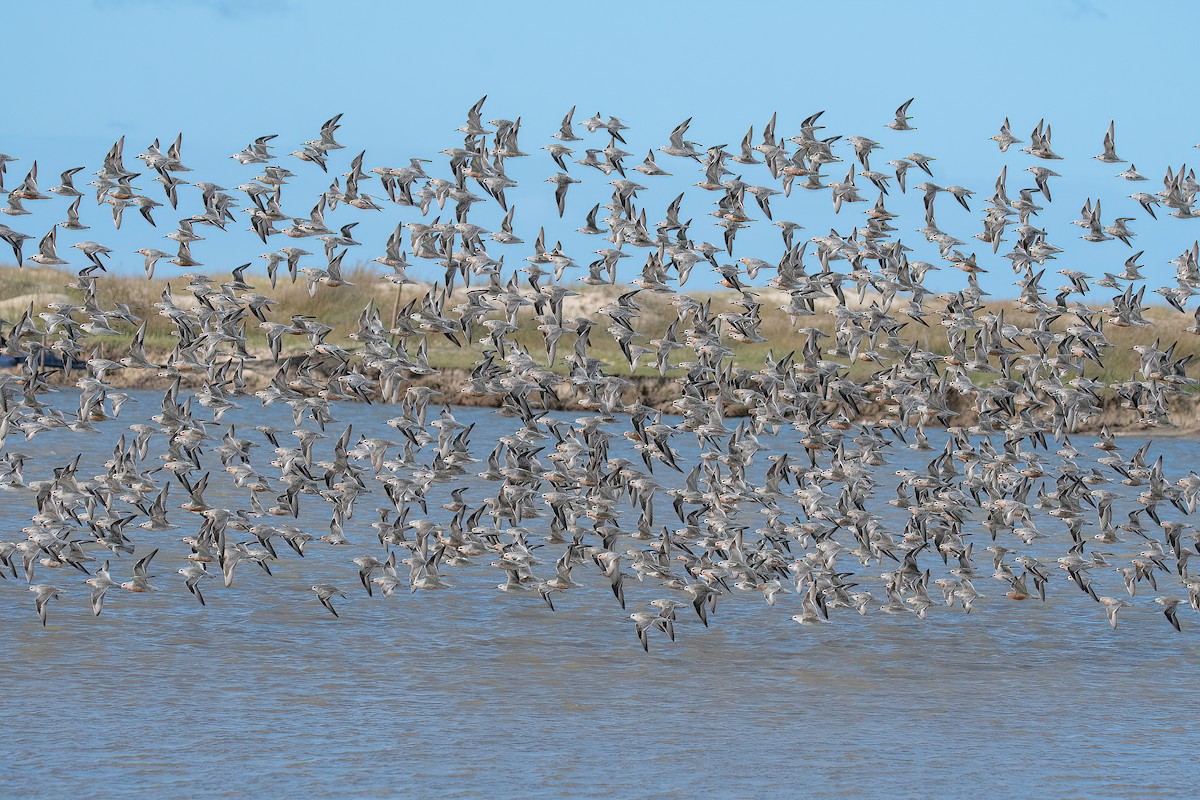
[(799, 527)]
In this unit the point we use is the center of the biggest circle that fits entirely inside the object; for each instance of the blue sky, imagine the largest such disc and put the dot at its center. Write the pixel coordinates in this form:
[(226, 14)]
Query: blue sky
[(225, 72)]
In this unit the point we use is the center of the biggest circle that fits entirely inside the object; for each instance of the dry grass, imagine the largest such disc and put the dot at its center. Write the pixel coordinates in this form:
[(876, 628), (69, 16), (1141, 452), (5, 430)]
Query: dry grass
[(341, 308)]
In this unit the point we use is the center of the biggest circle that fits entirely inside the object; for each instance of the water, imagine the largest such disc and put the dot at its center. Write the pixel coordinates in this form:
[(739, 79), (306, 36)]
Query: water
[(473, 692)]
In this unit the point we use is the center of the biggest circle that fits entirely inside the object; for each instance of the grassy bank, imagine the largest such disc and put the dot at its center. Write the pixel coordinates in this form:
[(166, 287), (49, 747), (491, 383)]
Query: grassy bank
[(341, 307)]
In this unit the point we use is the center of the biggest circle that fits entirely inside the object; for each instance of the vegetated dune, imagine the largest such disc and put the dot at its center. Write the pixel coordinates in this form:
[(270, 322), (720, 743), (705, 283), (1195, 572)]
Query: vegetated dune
[(35, 288)]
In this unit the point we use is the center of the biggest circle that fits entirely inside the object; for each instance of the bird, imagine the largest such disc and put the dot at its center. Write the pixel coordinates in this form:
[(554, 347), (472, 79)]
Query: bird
[(47, 254), (1041, 176), (43, 593), (1170, 606), (1109, 156), (1112, 605), (193, 573), (101, 582), (325, 593), (140, 582), (770, 444), (561, 181), (900, 123)]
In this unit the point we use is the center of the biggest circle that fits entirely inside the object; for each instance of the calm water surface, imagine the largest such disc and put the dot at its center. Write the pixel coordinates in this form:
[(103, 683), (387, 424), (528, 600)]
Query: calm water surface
[(471, 692)]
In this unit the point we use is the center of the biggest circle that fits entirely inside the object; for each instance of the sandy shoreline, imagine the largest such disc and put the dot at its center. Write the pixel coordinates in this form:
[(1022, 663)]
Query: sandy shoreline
[(661, 393)]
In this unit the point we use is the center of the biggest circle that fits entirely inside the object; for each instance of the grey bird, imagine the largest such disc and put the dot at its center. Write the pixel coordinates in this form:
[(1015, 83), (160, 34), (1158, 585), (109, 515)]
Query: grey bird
[(325, 592)]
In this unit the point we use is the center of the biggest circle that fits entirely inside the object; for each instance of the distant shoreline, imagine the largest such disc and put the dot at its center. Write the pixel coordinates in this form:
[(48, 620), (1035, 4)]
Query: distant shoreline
[(661, 393)]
